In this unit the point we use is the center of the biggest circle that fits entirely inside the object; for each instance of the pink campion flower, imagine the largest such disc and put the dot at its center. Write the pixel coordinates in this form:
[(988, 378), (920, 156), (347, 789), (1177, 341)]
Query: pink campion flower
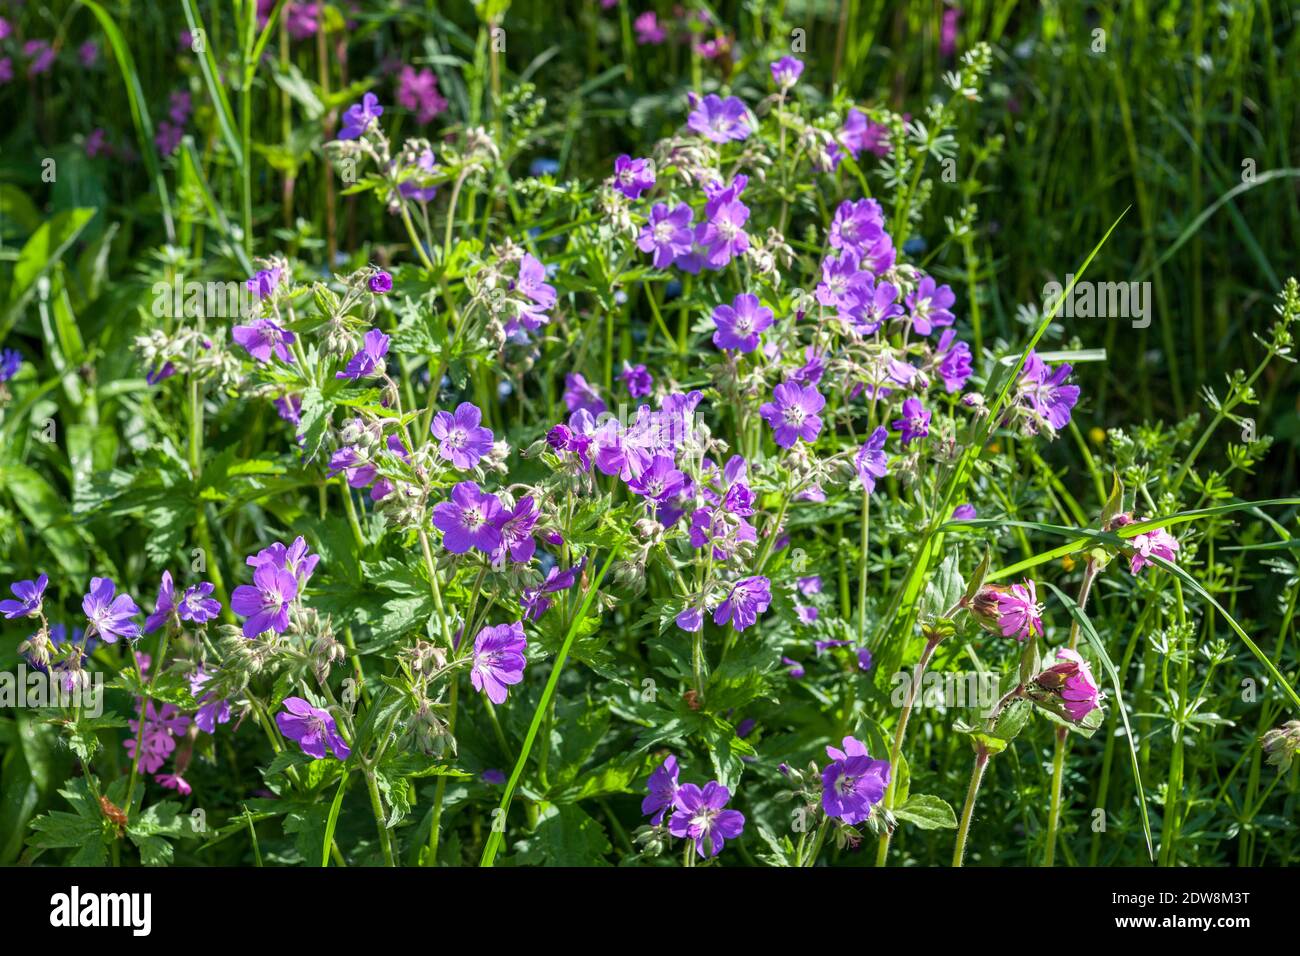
[(1156, 543), (792, 413), (948, 31), (175, 782), (154, 750), (262, 338), (312, 727), (1019, 614), (1067, 685), (648, 30), (265, 603), (418, 92), (498, 660), (462, 440)]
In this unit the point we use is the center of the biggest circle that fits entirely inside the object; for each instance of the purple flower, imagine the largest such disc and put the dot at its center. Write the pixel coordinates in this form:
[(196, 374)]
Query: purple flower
[(468, 520), (110, 616), (165, 605), (264, 282), (929, 306), (516, 528), (350, 460), (786, 72), (864, 659), (792, 413), (462, 440), (493, 777), (197, 606), (639, 381), (418, 91), (699, 815), (915, 422), (748, 599), (498, 660), (668, 233), (1018, 611), (359, 116), (265, 602), (953, 361), (948, 31), (262, 337), (289, 408), (1157, 543), (29, 595), (580, 395), (297, 559), (871, 461), (531, 281), (852, 783), (380, 283), (11, 360), (648, 30), (535, 601), (660, 481), (810, 585), (963, 512), (722, 235), (872, 305), (856, 224), (1042, 390), (741, 323), (632, 177), (370, 360), (662, 786), (312, 727), (717, 119), (859, 133)]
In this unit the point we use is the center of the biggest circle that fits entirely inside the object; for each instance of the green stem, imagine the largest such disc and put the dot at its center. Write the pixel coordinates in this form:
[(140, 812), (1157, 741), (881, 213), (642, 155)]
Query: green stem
[(968, 810)]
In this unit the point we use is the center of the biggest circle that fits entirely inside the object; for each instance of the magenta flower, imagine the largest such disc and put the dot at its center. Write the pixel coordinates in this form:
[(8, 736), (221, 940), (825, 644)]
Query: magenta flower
[(313, 728), (498, 660), (859, 133), (915, 422), (418, 92), (360, 116), (263, 337), (648, 30), (469, 519), (462, 440), (853, 783), (741, 323), (370, 360), (380, 283), (1157, 543), (632, 177), (668, 234), (109, 616), (699, 815), (29, 595), (265, 602), (1069, 684), (792, 413), (662, 787), (929, 306), (748, 599), (717, 119), (786, 72), (1018, 611), (871, 462)]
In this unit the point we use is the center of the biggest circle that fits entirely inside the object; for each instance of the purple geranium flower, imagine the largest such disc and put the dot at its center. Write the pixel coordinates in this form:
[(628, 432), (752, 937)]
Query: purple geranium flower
[(699, 815), (265, 602), (297, 559), (469, 519), (668, 233), (722, 235), (953, 361), (264, 282), (748, 599), (660, 481), (717, 119), (871, 461), (498, 660), (856, 225), (792, 413), (359, 116), (29, 595), (370, 360), (1043, 391), (638, 379), (741, 324), (110, 617), (536, 602), (165, 605), (312, 727), (915, 422), (516, 528), (632, 177), (579, 395), (262, 337), (11, 360), (786, 72), (662, 786), (853, 782), (380, 283), (462, 440), (197, 606), (929, 306)]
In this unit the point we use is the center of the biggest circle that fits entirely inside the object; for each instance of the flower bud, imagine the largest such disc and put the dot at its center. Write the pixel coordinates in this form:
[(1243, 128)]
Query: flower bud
[(1281, 744)]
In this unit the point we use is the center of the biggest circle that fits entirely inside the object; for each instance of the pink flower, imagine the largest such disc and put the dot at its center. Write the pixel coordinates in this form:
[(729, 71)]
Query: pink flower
[(1158, 543), (418, 92), (1018, 611)]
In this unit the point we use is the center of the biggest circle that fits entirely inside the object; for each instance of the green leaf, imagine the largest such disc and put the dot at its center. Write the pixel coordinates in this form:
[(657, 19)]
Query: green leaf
[(927, 812)]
